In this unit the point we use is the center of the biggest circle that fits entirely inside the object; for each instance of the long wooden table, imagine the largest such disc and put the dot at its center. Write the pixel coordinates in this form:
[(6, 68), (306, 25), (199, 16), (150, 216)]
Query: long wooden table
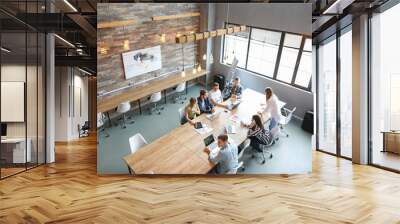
[(181, 150), (108, 103)]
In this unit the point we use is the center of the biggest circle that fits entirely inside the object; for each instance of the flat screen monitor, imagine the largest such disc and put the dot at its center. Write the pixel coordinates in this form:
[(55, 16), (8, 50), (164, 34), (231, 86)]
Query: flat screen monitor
[(3, 129)]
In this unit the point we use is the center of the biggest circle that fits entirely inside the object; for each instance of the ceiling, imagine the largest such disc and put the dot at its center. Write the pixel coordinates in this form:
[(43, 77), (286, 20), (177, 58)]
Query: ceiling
[(73, 20), (330, 15)]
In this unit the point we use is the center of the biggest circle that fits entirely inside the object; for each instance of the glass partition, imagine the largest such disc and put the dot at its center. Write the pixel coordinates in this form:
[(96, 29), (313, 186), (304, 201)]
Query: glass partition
[(385, 90), (346, 92), (22, 91), (327, 96)]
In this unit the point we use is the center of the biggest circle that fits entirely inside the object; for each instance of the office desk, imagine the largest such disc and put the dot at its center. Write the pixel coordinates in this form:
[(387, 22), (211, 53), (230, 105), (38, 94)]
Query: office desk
[(108, 103), (181, 150), (391, 141), (16, 153)]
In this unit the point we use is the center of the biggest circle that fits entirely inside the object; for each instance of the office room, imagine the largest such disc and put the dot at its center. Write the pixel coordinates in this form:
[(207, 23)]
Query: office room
[(181, 84)]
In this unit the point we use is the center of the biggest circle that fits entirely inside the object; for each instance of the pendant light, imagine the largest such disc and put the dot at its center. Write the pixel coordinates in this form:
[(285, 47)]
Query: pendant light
[(162, 38)]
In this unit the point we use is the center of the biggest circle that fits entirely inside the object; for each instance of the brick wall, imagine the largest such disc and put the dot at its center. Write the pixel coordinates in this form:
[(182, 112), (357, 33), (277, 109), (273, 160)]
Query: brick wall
[(145, 33)]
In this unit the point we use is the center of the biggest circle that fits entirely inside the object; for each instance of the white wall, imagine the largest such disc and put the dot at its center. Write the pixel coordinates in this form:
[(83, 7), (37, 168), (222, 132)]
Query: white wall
[(67, 117), (294, 18)]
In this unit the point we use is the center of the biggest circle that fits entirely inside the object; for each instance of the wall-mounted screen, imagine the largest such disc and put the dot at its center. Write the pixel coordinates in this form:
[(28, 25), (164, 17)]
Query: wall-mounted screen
[(141, 61), (12, 101)]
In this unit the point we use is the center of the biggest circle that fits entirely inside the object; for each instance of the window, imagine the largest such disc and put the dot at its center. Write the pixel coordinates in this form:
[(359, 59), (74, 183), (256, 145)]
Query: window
[(264, 46), (327, 96), (346, 93), (235, 45), (257, 50), (288, 61), (304, 71), (385, 88)]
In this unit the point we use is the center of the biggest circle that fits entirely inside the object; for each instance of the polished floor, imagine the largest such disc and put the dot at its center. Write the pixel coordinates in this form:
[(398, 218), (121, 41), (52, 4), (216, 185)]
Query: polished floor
[(291, 155), (69, 191), (386, 159)]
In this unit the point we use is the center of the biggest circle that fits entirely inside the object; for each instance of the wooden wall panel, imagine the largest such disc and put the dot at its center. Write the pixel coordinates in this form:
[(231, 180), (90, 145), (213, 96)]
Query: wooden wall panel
[(143, 34)]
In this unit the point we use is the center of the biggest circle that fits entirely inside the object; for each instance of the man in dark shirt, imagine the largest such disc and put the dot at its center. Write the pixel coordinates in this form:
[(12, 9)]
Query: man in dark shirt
[(204, 103), (234, 89)]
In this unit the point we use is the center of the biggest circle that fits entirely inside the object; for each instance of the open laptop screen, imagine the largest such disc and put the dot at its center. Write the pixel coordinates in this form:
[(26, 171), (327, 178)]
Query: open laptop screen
[(209, 140)]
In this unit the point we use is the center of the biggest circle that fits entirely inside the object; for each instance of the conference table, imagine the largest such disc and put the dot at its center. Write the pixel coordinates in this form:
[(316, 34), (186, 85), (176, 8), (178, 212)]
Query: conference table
[(181, 150)]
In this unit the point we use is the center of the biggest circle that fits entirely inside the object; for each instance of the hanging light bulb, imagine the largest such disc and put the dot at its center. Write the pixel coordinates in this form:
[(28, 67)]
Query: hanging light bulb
[(194, 71), (204, 57), (199, 68), (183, 74), (162, 38), (126, 45)]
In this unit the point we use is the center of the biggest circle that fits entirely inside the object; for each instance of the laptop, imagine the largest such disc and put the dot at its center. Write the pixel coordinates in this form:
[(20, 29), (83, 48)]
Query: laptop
[(198, 125), (213, 115), (210, 142), (232, 105)]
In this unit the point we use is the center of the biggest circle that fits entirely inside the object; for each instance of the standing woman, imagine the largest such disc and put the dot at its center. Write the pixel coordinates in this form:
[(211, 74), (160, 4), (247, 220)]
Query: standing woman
[(272, 108)]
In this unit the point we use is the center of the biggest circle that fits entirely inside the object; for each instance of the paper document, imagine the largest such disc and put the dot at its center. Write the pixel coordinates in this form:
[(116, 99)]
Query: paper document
[(204, 130), (214, 152), (234, 118)]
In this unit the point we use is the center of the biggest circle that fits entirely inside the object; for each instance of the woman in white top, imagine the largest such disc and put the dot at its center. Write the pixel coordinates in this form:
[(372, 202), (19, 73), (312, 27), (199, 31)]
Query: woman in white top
[(215, 94), (272, 108)]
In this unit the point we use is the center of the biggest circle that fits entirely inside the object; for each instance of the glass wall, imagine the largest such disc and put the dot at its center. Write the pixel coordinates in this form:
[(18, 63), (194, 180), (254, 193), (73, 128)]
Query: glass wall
[(22, 92), (327, 95), (346, 92), (385, 89)]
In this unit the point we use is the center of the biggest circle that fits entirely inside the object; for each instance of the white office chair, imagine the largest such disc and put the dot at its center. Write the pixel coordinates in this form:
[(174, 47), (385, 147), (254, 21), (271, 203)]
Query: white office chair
[(286, 118), (181, 113), (122, 109), (234, 170), (100, 124), (136, 142), (154, 99), (180, 98)]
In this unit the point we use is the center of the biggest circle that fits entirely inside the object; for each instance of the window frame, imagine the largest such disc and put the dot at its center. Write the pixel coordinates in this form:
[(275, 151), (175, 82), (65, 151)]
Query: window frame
[(278, 57)]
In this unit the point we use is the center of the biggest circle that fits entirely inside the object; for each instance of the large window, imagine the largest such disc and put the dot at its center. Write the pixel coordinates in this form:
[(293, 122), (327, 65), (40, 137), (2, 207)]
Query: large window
[(264, 46), (235, 45), (272, 54), (385, 89), (304, 71), (290, 52), (346, 92), (327, 96)]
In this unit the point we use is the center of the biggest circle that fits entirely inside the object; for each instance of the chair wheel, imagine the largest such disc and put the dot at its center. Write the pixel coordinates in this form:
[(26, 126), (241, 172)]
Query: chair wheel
[(252, 156), (263, 162), (270, 156)]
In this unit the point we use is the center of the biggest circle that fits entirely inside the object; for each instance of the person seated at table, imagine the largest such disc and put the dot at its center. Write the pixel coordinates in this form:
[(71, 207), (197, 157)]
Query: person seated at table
[(271, 108), (227, 157), (216, 95), (257, 134), (204, 103), (234, 89), (191, 111)]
